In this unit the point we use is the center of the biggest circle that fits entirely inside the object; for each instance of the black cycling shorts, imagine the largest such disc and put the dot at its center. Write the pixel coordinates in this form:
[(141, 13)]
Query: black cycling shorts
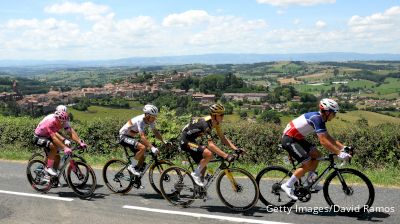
[(129, 142), (42, 142), (191, 147), (298, 149)]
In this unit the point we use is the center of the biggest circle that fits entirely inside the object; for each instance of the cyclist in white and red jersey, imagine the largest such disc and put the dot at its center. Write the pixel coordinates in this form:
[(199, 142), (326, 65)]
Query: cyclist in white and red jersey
[(136, 126), (293, 141), (46, 135)]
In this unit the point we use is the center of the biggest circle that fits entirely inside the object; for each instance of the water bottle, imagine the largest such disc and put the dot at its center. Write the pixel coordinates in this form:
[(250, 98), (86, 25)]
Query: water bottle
[(313, 176)]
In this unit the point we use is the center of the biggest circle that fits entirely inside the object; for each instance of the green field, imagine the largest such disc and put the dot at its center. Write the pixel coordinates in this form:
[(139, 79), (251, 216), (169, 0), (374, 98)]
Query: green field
[(96, 112), (391, 85)]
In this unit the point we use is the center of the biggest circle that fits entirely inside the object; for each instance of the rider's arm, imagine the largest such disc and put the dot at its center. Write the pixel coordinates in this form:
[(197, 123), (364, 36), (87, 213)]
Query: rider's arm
[(330, 143), (215, 149), (75, 136), (158, 135), (224, 139), (58, 140), (144, 140)]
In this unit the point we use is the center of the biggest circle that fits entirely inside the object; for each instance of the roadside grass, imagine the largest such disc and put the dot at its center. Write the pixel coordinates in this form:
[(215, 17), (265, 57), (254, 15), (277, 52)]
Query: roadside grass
[(383, 177)]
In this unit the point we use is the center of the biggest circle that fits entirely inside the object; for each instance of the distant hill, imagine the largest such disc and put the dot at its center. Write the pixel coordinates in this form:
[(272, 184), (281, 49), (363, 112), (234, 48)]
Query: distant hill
[(207, 59)]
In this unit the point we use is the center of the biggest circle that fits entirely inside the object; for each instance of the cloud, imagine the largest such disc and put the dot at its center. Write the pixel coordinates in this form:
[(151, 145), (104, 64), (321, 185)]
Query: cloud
[(320, 24), (295, 2), (388, 20), (185, 19), (296, 21), (90, 10)]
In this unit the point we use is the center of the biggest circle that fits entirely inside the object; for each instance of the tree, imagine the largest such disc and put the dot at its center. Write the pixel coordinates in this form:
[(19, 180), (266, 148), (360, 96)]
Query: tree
[(270, 116)]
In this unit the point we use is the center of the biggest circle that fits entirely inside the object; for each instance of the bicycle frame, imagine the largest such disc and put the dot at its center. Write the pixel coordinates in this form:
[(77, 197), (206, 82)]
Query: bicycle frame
[(153, 159)]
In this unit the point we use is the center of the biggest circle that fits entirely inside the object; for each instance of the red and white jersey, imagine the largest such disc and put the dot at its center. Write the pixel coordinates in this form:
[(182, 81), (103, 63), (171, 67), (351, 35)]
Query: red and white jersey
[(304, 125)]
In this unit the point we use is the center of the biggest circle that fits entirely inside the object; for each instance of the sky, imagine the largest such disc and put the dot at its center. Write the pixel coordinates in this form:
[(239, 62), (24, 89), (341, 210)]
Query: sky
[(114, 29)]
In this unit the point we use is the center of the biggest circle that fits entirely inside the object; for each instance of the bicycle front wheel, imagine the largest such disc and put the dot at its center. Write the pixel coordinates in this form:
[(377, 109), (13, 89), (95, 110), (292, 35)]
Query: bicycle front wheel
[(155, 172), (117, 177), (177, 186), (81, 179), (76, 158), (36, 174), (269, 181), (349, 191), (237, 189)]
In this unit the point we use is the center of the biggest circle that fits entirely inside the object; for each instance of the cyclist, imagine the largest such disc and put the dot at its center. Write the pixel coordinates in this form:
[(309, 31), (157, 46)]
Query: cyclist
[(202, 154), (136, 126), (293, 141), (46, 135)]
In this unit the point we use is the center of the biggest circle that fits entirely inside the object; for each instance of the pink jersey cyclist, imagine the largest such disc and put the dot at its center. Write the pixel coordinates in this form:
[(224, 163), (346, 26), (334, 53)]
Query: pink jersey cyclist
[(49, 126)]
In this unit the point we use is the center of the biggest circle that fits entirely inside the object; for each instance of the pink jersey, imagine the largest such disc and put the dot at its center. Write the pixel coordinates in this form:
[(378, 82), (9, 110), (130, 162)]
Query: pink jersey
[(49, 126)]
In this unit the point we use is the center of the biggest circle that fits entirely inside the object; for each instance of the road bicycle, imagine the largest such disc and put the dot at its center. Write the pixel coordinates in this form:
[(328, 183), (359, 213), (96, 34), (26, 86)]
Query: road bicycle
[(345, 189), (80, 176), (42, 155), (119, 180), (236, 187)]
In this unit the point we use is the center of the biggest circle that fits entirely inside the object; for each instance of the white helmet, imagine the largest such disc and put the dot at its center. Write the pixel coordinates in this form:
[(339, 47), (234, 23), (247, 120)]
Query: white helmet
[(61, 108), (329, 104), (150, 109)]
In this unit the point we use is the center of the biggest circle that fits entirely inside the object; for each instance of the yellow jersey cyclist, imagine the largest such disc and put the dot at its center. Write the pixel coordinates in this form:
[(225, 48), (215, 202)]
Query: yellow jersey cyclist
[(136, 126), (203, 154), (293, 141), (46, 135)]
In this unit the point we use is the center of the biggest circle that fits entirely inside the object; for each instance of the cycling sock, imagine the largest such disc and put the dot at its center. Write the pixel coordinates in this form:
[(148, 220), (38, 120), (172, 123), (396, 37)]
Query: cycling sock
[(134, 162), (198, 170), (50, 163), (293, 179)]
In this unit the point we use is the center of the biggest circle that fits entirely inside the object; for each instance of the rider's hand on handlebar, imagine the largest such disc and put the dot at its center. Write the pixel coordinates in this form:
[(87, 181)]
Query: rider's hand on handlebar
[(344, 156), (154, 150), (67, 151), (230, 158), (82, 144)]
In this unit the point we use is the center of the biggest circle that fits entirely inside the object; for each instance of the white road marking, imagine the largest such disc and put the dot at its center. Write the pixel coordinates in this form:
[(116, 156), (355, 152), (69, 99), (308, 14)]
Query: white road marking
[(198, 215), (36, 195)]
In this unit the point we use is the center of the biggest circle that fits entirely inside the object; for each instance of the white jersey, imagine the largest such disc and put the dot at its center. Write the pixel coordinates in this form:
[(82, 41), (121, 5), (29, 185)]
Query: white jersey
[(136, 125)]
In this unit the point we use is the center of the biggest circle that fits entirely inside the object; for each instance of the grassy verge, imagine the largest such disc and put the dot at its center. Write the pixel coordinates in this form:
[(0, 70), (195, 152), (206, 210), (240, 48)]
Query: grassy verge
[(384, 177)]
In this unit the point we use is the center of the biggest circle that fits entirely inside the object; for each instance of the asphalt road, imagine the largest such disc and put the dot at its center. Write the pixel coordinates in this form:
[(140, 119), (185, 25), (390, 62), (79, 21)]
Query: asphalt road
[(19, 203)]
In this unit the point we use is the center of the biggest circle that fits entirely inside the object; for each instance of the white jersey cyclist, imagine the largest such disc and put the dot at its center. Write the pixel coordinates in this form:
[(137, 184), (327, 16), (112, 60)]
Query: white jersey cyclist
[(135, 126)]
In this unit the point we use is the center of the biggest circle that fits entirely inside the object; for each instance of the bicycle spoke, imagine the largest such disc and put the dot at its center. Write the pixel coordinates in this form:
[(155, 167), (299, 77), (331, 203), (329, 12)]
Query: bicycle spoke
[(178, 187), (237, 189), (116, 176)]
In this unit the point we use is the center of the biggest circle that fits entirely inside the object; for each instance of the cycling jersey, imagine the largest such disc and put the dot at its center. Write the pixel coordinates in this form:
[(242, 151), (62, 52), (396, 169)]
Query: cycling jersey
[(199, 127), (304, 125), (135, 125), (49, 126)]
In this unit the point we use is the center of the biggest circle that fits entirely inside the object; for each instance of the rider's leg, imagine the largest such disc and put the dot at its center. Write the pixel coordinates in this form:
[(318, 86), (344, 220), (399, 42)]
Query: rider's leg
[(207, 157), (51, 156), (315, 154), (139, 156)]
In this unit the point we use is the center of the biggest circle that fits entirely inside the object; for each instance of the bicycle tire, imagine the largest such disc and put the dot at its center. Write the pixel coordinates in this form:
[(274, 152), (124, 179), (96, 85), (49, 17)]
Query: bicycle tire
[(114, 171), (346, 209), (82, 190), (269, 181), (160, 167), (35, 172), (238, 190), (173, 181)]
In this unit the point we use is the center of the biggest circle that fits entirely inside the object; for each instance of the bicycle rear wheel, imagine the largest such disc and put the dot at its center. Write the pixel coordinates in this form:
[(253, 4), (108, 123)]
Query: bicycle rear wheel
[(349, 191), (35, 174), (177, 186), (155, 172), (237, 189), (269, 181), (81, 179), (117, 177)]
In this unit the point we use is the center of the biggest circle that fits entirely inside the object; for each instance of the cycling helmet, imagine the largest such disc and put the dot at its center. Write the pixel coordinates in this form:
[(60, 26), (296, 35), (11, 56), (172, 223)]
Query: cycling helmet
[(150, 109), (61, 108), (217, 109), (61, 115), (329, 104)]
